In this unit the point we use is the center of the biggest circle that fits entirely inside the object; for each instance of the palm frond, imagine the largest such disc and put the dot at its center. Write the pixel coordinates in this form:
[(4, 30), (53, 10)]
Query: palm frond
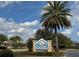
[(56, 18)]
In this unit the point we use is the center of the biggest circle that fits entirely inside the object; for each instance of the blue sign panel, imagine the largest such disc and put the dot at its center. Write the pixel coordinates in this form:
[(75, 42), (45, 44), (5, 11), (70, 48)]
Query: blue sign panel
[(41, 44)]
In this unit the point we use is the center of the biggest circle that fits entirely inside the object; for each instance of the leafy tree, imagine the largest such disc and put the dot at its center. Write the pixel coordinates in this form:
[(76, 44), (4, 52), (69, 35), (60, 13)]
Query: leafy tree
[(15, 39), (3, 38), (55, 18), (30, 44), (42, 33), (64, 41)]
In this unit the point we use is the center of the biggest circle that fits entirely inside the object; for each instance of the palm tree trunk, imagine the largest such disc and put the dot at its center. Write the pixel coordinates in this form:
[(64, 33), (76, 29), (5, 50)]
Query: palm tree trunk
[(57, 46), (56, 41)]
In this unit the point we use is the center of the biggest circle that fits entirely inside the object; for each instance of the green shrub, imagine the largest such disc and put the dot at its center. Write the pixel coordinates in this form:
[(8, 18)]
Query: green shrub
[(57, 54), (52, 54), (4, 52), (30, 44), (72, 47)]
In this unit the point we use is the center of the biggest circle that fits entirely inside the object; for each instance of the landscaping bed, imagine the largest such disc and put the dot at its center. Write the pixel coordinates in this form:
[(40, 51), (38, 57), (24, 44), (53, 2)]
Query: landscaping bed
[(36, 54)]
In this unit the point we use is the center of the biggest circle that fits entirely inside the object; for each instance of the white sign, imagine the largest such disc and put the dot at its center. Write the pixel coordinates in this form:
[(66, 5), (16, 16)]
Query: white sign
[(41, 44)]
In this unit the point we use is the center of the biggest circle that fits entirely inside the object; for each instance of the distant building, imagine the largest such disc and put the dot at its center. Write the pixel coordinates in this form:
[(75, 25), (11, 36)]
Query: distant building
[(8, 44)]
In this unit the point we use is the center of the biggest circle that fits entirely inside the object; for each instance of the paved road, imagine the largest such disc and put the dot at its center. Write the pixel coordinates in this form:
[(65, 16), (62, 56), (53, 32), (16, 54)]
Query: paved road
[(72, 53)]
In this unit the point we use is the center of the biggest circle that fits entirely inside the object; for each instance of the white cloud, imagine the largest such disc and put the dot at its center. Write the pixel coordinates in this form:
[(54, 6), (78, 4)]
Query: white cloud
[(25, 29), (5, 25), (19, 30), (13, 30), (33, 23), (78, 33), (44, 11), (67, 32), (34, 31), (6, 3), (75, 9), (10, 35), (76, 3), (69, 18), (1, 32)]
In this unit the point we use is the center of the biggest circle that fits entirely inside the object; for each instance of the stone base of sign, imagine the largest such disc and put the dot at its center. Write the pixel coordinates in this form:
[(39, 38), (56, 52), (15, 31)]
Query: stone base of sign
[(34, 50), (49, 46)]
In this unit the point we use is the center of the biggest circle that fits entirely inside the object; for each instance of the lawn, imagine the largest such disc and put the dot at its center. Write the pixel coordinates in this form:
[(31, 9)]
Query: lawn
[(25, 53), (19, 50)]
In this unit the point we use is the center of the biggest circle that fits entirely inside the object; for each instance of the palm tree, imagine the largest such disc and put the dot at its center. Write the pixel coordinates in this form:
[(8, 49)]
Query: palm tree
[(42, 33), (55, 17)]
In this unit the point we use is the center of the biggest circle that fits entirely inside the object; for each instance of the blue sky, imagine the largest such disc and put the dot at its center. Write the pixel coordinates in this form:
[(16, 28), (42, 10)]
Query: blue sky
[(23, 18), (22, 11)]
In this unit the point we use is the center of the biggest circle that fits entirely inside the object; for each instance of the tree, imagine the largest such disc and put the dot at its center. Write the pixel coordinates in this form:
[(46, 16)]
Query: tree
[(55, 18), (64, 41), (42, 33), (15, 39), (3, 38), (30, 44)]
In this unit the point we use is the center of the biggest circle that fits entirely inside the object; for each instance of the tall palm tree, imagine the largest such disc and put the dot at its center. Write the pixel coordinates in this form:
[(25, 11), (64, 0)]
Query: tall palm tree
[(55, 17)]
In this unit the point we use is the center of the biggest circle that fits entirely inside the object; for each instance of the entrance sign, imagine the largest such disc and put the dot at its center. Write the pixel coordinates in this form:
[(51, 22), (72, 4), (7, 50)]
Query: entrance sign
[(42, 45)]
